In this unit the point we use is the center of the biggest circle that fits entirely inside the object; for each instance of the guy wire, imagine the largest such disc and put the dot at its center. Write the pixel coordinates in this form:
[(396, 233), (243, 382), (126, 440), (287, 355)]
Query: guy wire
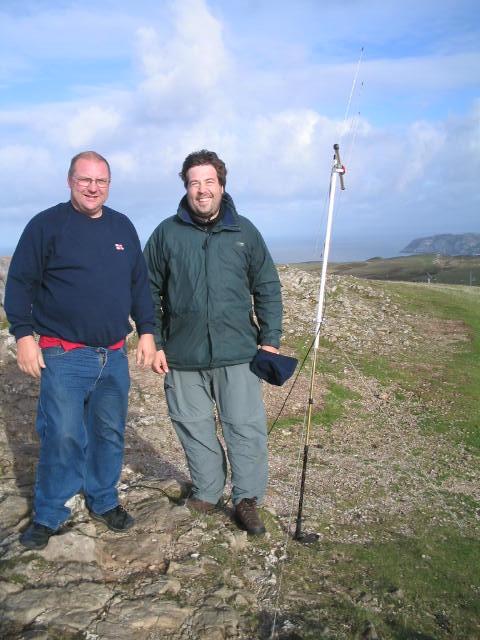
[(291, 387), (302, 364), (294, 485), (342, 134), (369, 388), (322, 220), (351, 92), (297, 470), (356, 122), (293, 494), (355, 129)]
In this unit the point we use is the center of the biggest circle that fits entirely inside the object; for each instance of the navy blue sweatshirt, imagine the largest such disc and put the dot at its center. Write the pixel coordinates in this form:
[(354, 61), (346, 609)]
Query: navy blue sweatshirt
[(78, 278)]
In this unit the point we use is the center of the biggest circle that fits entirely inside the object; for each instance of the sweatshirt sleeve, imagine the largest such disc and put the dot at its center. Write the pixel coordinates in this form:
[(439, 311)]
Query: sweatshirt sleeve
[(142, 307), (25, 276), (266, 290)]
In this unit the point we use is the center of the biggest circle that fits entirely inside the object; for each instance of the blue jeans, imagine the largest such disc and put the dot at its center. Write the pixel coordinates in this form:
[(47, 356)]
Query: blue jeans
[(81, 417), (237, 393)]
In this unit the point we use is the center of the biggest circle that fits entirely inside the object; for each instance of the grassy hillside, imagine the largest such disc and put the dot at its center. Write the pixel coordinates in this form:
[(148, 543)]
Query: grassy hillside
[(392, 492), (422, 268), (394, 488)]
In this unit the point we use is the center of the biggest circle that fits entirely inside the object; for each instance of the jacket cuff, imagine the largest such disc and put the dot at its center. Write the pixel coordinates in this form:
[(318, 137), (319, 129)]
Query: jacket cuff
[(271, 340), (159, 345)]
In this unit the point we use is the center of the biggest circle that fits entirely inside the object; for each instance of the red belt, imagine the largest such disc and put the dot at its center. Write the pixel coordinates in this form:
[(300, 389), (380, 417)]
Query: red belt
[(46, 342)]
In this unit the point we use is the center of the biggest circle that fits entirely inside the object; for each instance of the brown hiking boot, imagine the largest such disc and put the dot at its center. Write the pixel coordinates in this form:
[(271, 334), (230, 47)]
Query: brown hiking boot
[(247, 517), (199, 505)]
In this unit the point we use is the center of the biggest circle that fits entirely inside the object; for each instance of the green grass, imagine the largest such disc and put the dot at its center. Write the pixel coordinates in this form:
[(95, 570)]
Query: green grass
[(433, 571), (423, 585), (447, 378), (302, 346), (452, 378), (461, 378), (333, 407), (334, 402), (416, 268), (383, 369)]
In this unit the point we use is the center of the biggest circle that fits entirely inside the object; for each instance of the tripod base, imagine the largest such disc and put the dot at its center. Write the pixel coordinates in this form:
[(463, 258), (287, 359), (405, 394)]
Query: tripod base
[(307, 538)]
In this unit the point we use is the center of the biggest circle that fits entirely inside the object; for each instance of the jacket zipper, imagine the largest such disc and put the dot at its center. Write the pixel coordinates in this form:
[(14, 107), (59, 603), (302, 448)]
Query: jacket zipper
[(205, 248)]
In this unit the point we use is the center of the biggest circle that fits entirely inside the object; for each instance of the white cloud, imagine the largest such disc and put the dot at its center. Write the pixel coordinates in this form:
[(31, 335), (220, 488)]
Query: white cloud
[(424, 144), (270, 102), (183, 73), (15, 158), (27, 175), (92, 124)]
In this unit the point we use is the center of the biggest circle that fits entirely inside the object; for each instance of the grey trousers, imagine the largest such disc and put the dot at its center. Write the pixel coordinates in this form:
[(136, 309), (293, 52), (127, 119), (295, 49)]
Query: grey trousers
[(237, 393)]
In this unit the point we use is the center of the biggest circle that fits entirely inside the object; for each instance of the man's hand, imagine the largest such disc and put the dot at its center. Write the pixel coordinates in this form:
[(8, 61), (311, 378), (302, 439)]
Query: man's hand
[(29, 357), (146, 350), (160, 363), (267, 347)]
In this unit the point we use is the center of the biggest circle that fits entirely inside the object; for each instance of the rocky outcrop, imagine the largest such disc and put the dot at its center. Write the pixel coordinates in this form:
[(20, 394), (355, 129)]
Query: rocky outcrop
[(180, 576), (446, 244), (4, 264)]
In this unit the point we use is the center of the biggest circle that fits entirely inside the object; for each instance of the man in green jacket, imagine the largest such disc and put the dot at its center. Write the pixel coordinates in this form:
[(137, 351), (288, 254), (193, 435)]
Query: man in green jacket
[(206, 264)]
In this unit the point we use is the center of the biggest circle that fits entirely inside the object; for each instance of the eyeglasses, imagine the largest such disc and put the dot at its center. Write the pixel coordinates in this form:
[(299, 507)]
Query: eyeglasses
[(102, 183)]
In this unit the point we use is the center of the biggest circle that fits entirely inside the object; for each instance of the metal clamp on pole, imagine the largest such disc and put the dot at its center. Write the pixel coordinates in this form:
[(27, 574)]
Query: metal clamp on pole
[(339, 168)]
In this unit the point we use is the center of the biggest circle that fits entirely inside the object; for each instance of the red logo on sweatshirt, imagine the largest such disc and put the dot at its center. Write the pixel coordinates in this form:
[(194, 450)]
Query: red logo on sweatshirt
[(119, 247)]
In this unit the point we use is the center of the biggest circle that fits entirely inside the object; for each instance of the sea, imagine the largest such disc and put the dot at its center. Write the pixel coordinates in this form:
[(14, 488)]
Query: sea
[(341, 250), (286, 251)]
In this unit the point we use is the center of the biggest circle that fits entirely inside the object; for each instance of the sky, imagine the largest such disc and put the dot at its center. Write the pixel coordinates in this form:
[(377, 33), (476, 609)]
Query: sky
[(271, 86)]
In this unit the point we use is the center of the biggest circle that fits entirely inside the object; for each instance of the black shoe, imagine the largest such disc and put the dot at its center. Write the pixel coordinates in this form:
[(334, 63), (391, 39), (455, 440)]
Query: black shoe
[(247, 517), (117, 519), (36, 536)]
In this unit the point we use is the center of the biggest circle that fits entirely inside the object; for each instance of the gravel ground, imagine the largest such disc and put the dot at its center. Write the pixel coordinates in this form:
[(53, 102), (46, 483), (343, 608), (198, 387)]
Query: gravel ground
[(374, 474)]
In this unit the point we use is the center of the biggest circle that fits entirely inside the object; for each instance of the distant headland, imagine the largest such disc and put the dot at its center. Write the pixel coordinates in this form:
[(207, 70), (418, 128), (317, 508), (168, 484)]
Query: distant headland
[(446, 244)]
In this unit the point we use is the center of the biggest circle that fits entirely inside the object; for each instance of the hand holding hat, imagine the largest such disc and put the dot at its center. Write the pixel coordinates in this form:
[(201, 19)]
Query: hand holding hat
[(274, 368)]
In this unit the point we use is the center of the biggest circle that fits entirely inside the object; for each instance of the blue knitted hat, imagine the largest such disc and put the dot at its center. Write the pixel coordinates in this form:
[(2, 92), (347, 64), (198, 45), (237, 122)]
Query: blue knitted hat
[(273, 367)]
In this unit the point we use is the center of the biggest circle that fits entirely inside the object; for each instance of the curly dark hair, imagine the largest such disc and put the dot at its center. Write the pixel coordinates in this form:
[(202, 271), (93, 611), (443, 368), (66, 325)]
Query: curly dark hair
[(204, 157)]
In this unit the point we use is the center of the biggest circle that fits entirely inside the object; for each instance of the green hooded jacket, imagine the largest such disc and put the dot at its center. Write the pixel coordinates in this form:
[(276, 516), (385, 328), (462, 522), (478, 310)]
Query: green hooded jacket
[(203, 283)]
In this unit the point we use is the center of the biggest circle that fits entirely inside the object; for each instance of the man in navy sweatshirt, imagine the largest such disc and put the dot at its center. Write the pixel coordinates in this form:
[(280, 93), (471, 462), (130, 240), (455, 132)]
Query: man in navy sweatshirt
[(76, 276)]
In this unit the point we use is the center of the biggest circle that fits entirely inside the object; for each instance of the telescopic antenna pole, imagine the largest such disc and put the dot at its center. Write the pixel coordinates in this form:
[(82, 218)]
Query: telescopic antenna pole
[(337, 169)]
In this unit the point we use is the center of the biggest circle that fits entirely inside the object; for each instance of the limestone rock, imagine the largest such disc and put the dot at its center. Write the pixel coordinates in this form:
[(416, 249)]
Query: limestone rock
[(8, 345), (238, 541), (71, 609), (159, 515), (4, 266), (72, 547), (186, 571), (215, 623), (127, 619), (135, 551), (180, 575), (159, 586), (12, 509)]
